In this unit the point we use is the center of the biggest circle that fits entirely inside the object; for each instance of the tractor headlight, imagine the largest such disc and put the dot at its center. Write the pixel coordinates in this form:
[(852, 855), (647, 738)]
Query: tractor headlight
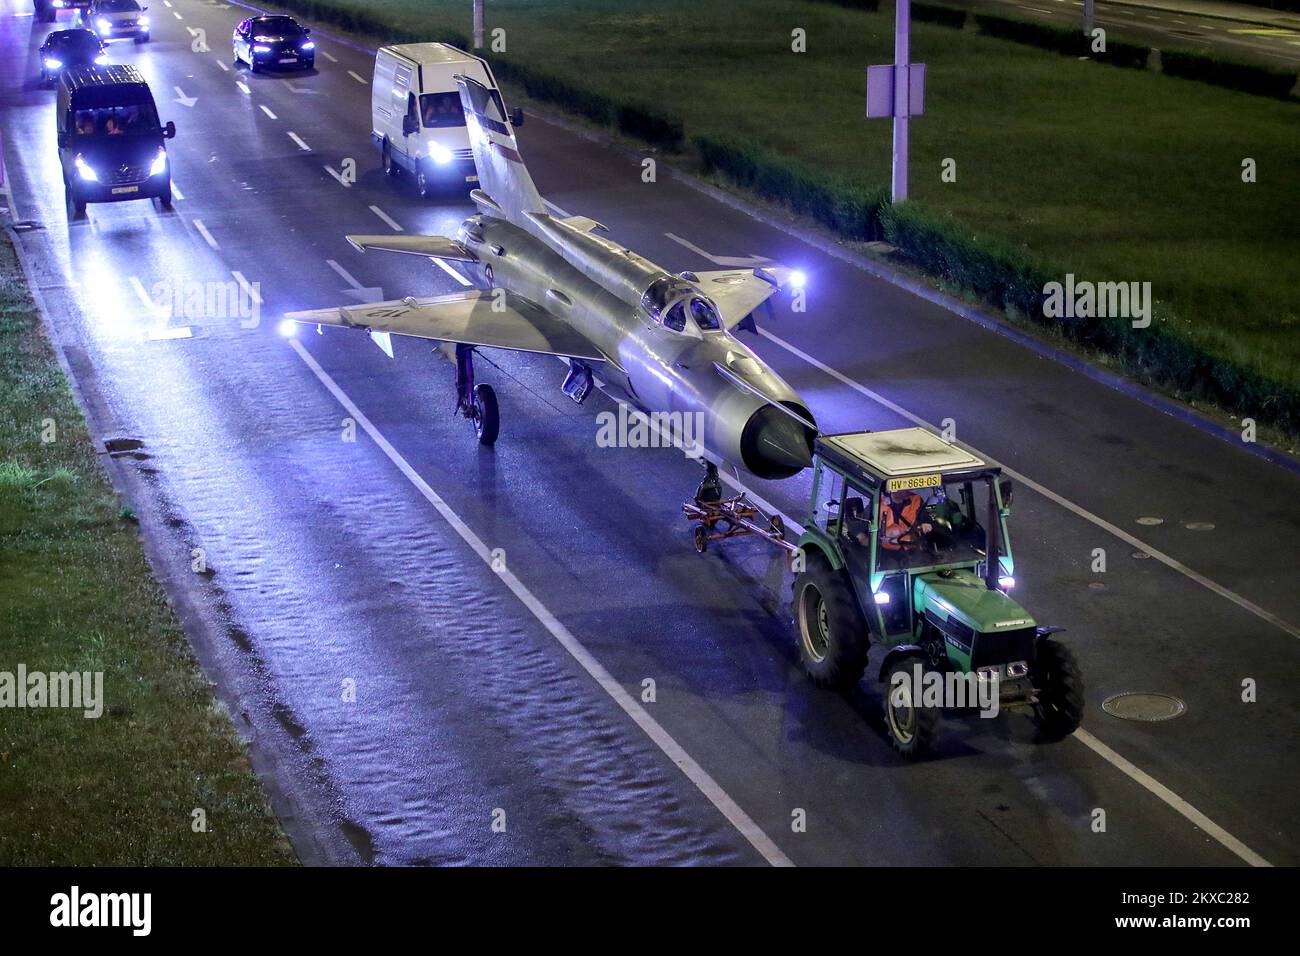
[(882, 597), (1006, 582), (52, 64), (84, 170), (439, 154), (989, 673), (159, 162)]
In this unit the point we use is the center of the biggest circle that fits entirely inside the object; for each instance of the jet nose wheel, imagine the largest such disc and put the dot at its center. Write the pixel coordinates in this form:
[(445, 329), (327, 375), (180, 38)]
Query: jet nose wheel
[(487, 421)]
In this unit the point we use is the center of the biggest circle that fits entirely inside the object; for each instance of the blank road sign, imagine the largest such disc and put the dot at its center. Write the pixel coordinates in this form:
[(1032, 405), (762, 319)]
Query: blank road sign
[(883, 91)]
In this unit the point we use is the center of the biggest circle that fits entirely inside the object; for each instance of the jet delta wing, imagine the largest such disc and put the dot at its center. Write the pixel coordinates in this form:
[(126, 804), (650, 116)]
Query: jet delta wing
[(738, 292), (499, 320)]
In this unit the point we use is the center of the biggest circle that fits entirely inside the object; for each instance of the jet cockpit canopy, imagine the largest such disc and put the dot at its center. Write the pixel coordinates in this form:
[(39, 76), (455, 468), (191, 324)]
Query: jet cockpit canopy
[(674, 303)]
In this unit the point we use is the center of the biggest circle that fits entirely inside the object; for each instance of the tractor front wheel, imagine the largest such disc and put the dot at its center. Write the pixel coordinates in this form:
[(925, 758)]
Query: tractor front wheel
[(910, 725), (832, 633), (1058, 684)]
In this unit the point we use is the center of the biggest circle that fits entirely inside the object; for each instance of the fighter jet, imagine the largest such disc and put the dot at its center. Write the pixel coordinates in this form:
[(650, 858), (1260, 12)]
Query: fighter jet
[(556, 286)]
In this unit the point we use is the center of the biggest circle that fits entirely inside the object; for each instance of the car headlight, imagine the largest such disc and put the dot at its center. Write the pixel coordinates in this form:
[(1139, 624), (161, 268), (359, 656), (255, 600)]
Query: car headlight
[(102, 59), (58, 4), (159, 162), (439, 154), (263, 39), (259, 48), (309, 45), (52, 64), (104, 23), (84, 171)]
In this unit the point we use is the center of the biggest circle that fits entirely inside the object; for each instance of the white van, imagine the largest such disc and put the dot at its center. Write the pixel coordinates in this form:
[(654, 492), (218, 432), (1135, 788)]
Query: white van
[(415, 114)]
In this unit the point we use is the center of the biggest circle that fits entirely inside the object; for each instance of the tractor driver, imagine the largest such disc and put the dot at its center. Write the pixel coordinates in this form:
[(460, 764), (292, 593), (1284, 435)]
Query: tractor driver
[(902, 516)]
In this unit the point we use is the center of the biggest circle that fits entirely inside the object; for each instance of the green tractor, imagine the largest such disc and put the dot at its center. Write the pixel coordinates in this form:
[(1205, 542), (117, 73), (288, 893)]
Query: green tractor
[(896, 552)]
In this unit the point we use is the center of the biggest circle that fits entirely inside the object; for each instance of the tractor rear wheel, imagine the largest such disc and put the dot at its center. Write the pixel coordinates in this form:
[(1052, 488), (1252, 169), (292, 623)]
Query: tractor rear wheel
[(832, 633), (1058, 684)]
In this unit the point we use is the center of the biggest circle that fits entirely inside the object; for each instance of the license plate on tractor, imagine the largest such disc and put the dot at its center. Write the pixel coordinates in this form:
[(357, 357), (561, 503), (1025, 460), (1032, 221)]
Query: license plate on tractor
[(912, 482)]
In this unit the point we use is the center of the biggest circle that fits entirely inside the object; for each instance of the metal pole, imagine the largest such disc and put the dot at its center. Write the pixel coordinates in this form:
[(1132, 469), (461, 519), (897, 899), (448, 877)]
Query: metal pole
[(1088, 9), (901, 27), (478, 24)]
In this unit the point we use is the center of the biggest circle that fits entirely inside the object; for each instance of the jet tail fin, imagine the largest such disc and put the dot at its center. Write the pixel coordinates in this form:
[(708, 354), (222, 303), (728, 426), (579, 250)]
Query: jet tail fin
[(501, 170)]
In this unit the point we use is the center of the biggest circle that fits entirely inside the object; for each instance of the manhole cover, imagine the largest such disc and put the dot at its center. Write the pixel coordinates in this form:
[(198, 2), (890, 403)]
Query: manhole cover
[(1141, 705)]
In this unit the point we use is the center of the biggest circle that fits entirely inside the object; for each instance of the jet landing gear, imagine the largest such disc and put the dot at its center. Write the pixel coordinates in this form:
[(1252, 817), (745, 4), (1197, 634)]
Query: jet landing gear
[(478, 403)]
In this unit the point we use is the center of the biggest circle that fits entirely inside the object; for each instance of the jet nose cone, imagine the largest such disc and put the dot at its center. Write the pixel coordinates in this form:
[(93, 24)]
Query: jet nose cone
[(775, 445)]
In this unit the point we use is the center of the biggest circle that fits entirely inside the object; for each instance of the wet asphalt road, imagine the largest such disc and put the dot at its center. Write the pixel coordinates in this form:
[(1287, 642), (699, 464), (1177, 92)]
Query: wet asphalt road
[(335, 560), (1265, 36)]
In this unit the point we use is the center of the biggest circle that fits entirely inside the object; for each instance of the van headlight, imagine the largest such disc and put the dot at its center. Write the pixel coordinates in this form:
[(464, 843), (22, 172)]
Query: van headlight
[(159, 162), (84, 170), (104, 24), (101, 59), (143, 21), (439, 154), (52, 64)]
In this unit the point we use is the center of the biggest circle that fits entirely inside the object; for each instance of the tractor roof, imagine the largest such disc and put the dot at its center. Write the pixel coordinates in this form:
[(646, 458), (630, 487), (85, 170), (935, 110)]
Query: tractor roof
[(899, 452)]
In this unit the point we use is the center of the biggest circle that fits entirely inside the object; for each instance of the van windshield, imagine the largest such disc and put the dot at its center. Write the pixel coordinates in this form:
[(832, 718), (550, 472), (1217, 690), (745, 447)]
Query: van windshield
[(440, 110), (132, 119)]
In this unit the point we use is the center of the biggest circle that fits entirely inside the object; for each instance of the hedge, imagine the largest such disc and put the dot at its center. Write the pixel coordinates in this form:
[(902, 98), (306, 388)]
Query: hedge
[(1247, 77), (849, 208), (940, 16), (1064, 40)]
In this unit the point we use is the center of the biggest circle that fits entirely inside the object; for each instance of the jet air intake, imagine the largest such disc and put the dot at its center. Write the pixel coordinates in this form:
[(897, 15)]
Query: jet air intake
[(775, 443)]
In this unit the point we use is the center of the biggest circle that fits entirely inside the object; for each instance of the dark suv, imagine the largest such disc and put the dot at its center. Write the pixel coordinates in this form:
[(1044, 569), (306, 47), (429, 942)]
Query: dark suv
[(110, 141)]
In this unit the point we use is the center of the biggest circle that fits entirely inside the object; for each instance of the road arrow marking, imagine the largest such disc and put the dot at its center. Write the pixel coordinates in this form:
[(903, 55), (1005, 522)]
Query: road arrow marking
[(727, 262), (184, 100), (364, 294)]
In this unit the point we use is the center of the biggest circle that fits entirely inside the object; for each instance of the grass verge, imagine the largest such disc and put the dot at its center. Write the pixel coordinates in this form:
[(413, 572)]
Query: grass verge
[(76, 594)]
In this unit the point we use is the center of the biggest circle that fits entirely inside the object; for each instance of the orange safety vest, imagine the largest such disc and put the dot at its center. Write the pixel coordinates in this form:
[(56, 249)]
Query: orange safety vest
[(900, 525)]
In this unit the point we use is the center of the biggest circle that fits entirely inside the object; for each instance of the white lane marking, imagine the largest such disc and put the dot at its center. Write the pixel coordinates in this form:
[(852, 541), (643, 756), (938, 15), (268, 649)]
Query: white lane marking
[(172, 332), (344, 274), (249, 289), (360, 79), (167, 3), (176, 191), (339, 176), (298, 139), (243, 88), (674, 751), (388, 220), (177, 15), (1079, 510), (222, 63), (450, 271), (326, 54), (1149, 783), (207, 236), (267, 110)]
